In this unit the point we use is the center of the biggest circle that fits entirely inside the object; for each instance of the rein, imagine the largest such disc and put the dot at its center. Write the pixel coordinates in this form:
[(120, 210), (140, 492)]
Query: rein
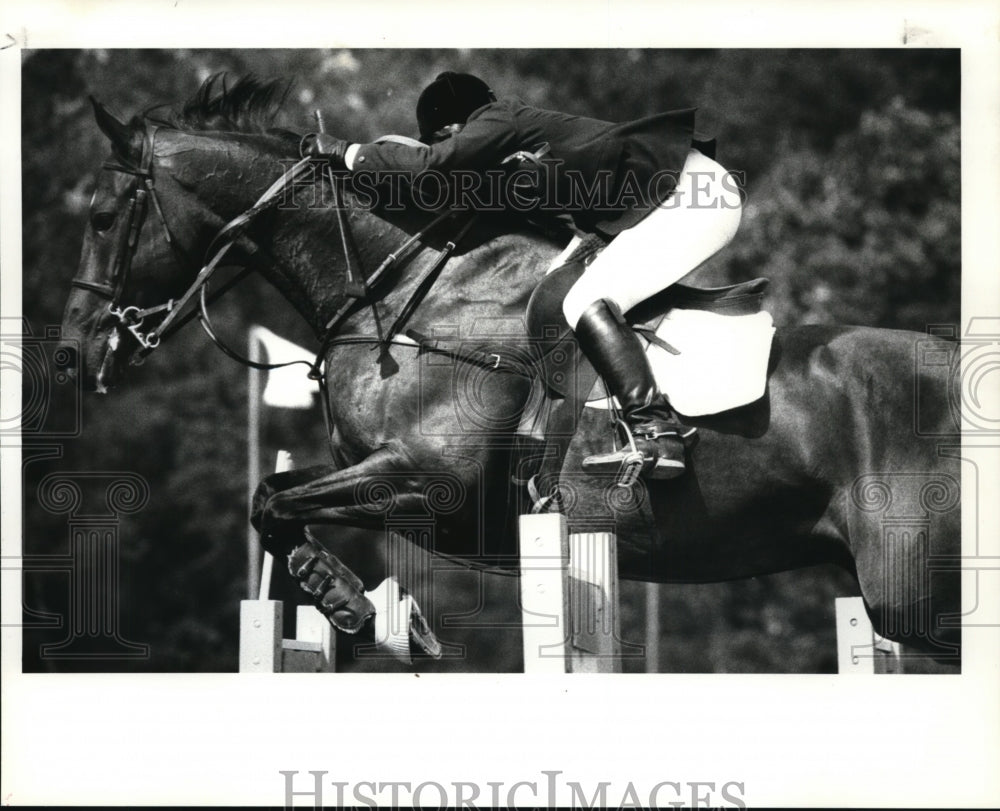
[(358, 289), (132, 317)]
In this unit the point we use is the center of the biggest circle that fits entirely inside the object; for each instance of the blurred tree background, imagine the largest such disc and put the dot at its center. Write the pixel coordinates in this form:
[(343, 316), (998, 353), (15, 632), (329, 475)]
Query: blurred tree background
[(851, 165)]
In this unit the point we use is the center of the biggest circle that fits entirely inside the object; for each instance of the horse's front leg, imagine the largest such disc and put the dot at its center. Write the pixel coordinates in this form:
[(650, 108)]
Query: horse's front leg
[(286, 502)]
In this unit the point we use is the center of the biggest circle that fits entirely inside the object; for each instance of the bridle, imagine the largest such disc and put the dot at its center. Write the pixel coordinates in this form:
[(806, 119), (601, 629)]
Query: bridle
[(132, 317)]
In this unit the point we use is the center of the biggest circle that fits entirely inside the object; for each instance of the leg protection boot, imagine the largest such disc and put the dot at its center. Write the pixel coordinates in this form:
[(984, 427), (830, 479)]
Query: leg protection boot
[(336, 591)]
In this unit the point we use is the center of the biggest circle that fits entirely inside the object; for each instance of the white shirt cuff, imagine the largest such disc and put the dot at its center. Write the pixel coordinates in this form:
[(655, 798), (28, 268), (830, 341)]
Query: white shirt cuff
[(351, 154)]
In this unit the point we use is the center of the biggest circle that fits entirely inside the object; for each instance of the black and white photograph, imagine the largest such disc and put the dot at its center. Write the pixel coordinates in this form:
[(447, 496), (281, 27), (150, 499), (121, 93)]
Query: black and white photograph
[(598, 421)]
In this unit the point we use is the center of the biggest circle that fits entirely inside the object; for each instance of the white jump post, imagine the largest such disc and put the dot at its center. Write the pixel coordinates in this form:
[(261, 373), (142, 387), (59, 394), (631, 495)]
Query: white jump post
[(859, 649), (569, 598), (262, 648)]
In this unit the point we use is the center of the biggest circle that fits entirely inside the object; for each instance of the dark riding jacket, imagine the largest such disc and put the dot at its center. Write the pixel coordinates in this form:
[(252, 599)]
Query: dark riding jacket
[(607, 176)]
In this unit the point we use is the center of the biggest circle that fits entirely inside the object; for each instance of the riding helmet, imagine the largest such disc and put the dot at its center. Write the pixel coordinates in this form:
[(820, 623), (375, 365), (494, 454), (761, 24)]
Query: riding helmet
[(450, 99)]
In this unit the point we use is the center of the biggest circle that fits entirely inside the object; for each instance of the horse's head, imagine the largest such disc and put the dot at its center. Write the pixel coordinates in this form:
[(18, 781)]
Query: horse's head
[(161, 197), (131, 259)]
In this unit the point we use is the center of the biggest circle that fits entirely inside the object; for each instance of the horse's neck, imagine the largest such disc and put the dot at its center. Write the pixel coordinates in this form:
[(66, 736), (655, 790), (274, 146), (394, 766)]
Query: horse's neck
[(485, 284), (291, 246), (481, 290), (300, 251), (313, 244)]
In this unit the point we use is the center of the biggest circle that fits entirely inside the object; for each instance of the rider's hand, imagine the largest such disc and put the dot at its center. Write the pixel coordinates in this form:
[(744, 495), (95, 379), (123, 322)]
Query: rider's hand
[(321, 145)]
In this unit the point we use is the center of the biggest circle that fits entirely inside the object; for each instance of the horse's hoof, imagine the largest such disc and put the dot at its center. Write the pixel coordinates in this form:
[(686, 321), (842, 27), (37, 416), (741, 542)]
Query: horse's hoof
[(399, 621), (336, 591)]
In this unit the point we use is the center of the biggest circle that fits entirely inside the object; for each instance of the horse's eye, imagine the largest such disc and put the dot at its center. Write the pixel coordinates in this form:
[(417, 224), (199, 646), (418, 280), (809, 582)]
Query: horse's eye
[(102, 220)]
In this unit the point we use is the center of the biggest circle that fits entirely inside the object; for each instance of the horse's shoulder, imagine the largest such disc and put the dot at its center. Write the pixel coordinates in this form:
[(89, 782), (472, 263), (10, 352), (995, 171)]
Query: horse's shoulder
[(514, 230), (502, 240)]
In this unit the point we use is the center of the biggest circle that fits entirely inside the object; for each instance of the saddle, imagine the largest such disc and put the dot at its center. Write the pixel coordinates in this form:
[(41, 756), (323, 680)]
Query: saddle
[(565, 380), (562, 366)]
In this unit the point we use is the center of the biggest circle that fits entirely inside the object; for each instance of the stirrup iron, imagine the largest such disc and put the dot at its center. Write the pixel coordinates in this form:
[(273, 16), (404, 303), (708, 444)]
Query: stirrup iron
[(631, 461)]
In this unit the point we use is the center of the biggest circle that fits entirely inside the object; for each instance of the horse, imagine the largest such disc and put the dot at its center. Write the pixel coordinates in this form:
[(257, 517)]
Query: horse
[(829, 466)]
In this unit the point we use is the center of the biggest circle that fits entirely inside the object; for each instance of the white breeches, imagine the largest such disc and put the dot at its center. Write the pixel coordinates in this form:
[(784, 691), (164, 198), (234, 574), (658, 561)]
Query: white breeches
[(695, 222)]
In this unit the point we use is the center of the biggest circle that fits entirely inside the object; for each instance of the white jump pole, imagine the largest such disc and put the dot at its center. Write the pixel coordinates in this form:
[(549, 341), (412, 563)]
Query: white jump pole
[(262, 648), (652, 594), (859, 649), (569, 598), (254, 389)]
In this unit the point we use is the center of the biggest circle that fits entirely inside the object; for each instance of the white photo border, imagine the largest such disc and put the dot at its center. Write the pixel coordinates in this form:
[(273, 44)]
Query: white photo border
[(791, 740)]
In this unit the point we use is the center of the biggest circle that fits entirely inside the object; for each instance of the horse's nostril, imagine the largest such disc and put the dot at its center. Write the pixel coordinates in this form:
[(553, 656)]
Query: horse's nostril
[(66, 357)]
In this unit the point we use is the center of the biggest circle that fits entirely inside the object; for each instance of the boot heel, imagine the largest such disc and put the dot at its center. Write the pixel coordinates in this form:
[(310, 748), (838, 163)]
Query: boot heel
[(667, 469)]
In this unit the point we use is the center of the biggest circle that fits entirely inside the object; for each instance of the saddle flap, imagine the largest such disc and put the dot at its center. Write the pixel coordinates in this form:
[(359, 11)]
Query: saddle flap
[(560, 362), (720, 362), (722, 334)]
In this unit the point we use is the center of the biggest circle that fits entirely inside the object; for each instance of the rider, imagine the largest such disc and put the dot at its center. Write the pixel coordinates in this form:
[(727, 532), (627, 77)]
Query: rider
[(651, 186)]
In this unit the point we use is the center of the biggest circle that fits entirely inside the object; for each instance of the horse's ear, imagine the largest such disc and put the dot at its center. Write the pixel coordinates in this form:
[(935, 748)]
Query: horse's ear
[(117, 131)]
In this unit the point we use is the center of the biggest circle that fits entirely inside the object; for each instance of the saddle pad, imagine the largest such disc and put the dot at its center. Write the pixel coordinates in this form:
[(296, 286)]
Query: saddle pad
[(722, 361)]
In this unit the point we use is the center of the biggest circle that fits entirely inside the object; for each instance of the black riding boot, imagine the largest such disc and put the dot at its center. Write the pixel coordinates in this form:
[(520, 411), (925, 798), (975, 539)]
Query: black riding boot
[(658, 437)]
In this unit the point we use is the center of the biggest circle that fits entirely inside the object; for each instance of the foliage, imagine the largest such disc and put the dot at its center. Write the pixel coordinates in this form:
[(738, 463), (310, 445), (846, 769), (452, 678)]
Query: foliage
[(851, 160), (869, 232)]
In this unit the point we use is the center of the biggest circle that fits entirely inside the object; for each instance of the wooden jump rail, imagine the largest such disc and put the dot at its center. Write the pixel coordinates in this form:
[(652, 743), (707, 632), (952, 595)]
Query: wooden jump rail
[(569, 611), (859, 649), (569, 598), (262, 646), (569, 602)]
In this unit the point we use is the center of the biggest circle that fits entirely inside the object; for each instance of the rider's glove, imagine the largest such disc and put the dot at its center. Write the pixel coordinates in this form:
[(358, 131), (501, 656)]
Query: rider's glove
[(321, 145)]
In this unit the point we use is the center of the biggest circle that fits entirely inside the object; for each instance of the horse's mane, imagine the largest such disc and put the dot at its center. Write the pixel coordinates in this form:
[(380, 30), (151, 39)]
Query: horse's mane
[(249, 106)]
